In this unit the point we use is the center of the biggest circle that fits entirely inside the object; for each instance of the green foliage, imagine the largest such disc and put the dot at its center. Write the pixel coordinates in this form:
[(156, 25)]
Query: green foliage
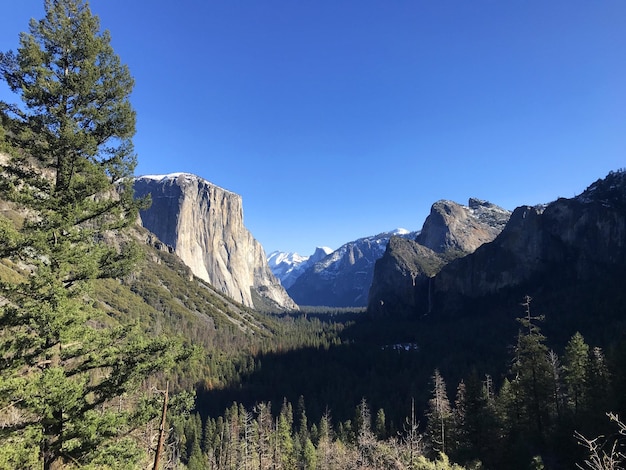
[(492, 423), (441, 463), (576, 367), (532, 384), (70, 376), (245, 438), (309, 456), (76, 95), (16, 450)]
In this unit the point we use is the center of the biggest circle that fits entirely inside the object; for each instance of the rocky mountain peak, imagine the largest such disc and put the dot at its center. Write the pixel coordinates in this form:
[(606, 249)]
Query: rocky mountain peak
[(403, 275), (319, 254), (610, 190), (455, 227), (287, 267), (555, 250), (203, 224)]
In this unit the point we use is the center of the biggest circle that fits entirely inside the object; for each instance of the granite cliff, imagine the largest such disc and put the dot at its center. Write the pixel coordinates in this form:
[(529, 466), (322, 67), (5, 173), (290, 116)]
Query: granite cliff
[(402, 277), (567, 245), (569, 254), (452, 227), (203, 224)]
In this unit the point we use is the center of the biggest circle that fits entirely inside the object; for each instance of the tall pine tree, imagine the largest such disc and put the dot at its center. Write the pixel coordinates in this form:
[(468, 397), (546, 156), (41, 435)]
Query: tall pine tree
[(576, 369), (439, 415), (62, 363), (533, 378)]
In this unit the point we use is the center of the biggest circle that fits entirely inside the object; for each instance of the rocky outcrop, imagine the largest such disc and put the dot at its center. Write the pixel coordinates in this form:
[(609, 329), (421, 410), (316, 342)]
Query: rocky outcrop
[(568, 242), (343, 278), (570, 253), (403, 277), (453, 227), (203, 224)]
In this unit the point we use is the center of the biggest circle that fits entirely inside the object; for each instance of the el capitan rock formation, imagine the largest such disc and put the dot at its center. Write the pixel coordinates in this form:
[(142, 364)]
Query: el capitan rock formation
[(203, 224)]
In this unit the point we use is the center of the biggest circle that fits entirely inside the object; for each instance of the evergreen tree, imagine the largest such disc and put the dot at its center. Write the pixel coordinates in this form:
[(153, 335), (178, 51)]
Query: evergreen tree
[(61, 365), (575, 370), (264, 424), (197, 460), (303, 427), (555, 366), (439, 415), (533, 377), (363, 420), (381, 425), (597, 392), (459, 438), (478, 437), (309, 455), (324, 446), (246, 444), (365, 437), (285, 445)]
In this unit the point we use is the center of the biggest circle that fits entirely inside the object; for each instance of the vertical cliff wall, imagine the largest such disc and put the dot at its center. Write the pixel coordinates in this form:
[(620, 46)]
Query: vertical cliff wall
[(570, 252), (203, 223), (403, 276)]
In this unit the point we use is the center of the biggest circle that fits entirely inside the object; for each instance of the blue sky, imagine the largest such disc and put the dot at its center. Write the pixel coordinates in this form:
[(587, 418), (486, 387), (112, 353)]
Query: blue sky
[(336, 120)]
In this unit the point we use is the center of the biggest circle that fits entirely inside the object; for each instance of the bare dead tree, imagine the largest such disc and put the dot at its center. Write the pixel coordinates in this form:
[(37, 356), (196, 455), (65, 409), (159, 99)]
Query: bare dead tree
[(604, 454), (157, 456)]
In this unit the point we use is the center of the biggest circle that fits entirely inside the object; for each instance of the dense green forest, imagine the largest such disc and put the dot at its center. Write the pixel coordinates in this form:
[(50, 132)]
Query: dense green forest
[(525, 413), (99, 326)]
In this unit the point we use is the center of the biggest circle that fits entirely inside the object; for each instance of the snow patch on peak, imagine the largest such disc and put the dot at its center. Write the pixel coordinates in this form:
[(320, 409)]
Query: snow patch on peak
[(168, 176), (400, 231), (287, 267), (276, 258), (178, 176)]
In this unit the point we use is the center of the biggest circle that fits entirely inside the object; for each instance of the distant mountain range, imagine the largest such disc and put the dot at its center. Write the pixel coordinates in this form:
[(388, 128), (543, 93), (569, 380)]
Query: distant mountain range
[(287, 267), (462, 252), (339, 278), (344, 277)]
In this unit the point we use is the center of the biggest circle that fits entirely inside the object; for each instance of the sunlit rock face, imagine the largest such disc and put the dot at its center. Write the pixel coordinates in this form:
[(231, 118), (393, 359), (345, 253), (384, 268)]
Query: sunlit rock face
[(455, 227), (203, 224), (403, 277)]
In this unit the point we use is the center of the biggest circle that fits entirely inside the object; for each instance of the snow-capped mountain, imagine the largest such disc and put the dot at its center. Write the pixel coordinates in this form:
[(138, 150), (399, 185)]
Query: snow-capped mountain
[(343, 277), (287, 267)]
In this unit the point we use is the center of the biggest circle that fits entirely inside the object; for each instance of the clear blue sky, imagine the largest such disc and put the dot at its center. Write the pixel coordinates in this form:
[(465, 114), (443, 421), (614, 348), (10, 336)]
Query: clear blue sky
[(338, 119)]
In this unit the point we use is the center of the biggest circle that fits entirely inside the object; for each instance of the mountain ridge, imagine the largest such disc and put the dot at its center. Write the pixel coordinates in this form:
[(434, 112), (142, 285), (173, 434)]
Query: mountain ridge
[(549, 251), (287, 267), (343, 277), (451, 230)]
